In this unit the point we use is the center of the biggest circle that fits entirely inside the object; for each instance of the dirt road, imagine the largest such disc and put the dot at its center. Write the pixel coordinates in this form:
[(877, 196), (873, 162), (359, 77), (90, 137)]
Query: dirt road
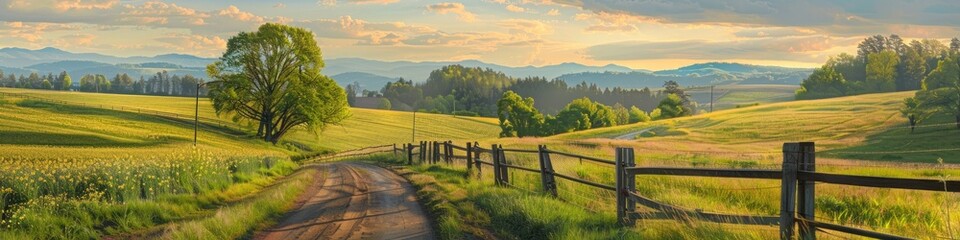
[(632, 135), (354, 201)]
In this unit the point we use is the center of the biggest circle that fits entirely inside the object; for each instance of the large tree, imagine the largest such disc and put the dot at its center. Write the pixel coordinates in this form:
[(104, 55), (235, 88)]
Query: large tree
[(272, 77), (882, 71), (517, 116)]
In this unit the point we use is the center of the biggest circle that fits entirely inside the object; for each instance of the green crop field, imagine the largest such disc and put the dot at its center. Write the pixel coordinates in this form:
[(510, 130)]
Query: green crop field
[(84, 165), (366, 127)]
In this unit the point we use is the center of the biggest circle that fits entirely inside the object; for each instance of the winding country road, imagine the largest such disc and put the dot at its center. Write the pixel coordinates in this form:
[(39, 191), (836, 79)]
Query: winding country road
[(354, 201)]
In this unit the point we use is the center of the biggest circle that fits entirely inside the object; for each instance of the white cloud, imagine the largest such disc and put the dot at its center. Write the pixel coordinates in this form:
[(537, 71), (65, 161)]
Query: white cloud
[(453, 8), (515, 8)]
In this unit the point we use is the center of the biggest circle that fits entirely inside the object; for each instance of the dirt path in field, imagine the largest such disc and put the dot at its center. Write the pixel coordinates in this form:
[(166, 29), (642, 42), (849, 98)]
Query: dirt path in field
[(632, 135), (355, 201)]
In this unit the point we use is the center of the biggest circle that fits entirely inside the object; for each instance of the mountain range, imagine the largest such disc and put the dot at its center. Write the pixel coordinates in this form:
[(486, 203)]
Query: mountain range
[(373, 74)]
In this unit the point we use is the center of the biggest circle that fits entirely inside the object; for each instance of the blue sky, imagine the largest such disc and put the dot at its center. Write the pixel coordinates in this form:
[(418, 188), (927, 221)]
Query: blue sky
[(648, 34)]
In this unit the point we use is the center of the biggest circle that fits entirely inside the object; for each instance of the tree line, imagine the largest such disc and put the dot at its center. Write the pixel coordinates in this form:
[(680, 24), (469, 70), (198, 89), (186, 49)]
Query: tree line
[(162, 83), (520, 118), (476, 91), (882, 64)]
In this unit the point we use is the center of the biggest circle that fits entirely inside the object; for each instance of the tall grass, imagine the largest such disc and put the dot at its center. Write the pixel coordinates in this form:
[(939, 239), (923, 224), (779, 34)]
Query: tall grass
[(70, 198)]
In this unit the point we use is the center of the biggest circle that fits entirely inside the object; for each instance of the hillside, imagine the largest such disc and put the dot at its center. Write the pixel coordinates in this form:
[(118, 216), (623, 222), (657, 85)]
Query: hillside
[(857, 127), (366, 127)]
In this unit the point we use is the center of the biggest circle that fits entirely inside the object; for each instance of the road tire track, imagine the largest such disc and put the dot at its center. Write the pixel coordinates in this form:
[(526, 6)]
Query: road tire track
[(354, 201)]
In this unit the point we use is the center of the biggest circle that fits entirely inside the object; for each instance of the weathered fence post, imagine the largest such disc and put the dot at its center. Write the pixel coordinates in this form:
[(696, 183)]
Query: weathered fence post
[(410, 154), (476, 158), (788, 190), (631, 181), (436, 152), (394, 149), (495, 157), (805, 188), (448, 154), (504, 174), (469, 157), (423, 151), (624, 208), (546, 171)]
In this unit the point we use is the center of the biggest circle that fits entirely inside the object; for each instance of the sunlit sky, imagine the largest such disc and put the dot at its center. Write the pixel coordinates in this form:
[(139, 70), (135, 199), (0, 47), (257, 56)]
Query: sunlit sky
[(645, 34)]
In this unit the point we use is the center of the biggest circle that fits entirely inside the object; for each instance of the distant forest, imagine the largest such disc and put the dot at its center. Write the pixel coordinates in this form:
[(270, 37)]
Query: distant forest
[(162, 83), (475, 91)]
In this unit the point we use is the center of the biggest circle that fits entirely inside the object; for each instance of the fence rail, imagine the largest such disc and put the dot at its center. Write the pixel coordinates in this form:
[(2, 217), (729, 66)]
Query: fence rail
[(797, 184)]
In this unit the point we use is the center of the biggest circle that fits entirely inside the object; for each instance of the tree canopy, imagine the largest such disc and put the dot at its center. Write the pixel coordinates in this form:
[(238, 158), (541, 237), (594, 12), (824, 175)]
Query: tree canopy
[(272, 77)]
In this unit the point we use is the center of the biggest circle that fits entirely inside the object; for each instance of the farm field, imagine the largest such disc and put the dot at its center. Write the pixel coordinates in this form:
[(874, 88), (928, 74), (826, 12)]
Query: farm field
[(366, 127), (734, 96)]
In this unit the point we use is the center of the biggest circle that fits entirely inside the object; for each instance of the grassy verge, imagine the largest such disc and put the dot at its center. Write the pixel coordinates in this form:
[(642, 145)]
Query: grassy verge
[(468, 208), (241, 219)]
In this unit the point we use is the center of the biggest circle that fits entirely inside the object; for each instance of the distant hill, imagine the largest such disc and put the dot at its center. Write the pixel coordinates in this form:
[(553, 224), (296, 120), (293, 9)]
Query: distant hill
[(419, 71), (367, 81), (80, 68), (701, 74), (373, 74), (19, 58)]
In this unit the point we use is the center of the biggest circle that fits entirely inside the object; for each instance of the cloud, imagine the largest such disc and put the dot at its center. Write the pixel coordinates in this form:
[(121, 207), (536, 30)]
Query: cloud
[(203, 45), (453, 8), (553, 12), (279, 5), (806, 48), (372, 1), (524, 26), (515, 8), (824, 15), (32, 32), (611, 22)]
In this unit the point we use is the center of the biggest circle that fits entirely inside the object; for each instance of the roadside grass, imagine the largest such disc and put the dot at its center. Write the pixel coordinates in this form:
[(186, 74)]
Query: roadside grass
[(239, 220), (471, 207)]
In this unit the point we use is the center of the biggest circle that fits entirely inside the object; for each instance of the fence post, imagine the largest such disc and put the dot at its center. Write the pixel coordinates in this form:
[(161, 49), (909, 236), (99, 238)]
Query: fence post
[(788, 190), (546, 171), (394, 150), (495, 157), (422, 151), (410, 154), (805, 188), (447, 152), (504, 174), (469, 157), (450, 154), (631, 182), (476, 159), (625, 206)]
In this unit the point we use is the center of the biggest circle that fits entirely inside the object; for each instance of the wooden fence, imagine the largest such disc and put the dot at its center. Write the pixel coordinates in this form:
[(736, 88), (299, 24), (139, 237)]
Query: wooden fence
[(797, 192)]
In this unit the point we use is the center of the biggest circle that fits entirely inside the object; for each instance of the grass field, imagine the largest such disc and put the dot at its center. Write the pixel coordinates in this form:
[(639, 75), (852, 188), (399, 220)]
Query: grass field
[(847, 131), (366, 127), (733, 96), (95, 165), (867, 128)]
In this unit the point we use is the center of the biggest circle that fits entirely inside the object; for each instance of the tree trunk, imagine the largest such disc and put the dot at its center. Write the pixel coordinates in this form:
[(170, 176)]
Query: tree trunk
[(958, 120)]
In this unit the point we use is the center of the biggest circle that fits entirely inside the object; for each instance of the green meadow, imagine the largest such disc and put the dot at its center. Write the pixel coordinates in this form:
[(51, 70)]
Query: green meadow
[(84, 158)]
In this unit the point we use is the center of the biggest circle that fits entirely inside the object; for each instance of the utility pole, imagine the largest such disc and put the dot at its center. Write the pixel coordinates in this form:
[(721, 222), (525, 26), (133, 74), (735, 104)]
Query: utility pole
[(711, 98), (196, 116), (413, 135)]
